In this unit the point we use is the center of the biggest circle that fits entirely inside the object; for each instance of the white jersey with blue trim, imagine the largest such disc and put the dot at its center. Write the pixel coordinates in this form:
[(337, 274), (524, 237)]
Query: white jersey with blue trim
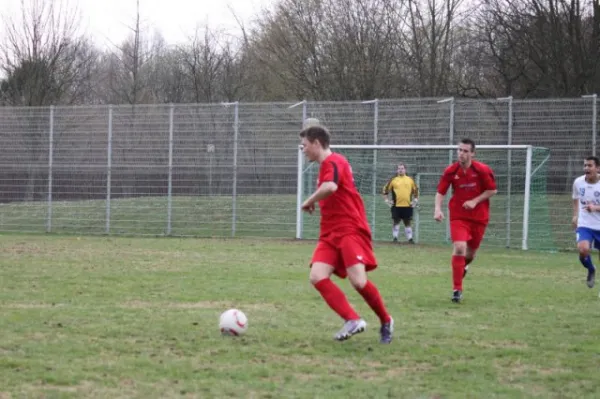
[(587, 193)]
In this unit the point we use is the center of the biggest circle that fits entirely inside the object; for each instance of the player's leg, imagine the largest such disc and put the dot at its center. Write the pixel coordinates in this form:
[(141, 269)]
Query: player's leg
[(477, 233), (395, 224), (358, 248), (324, 257), (407, 218), (469, 257), (585, 238), (459, 231)]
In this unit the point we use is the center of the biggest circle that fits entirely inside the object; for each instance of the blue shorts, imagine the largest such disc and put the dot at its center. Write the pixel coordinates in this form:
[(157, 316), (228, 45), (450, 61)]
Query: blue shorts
[(586, 234)]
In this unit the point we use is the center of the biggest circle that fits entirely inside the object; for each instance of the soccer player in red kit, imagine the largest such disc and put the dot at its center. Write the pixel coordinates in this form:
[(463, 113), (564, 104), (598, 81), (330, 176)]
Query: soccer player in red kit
[(473, 185), (344, 247)]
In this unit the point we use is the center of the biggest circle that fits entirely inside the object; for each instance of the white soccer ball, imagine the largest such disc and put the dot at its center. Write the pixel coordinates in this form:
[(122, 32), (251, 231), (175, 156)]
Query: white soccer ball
[(233, 322)]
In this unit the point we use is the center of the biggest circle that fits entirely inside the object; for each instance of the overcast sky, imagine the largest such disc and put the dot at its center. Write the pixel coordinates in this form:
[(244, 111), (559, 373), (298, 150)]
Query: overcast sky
[(109, 20)]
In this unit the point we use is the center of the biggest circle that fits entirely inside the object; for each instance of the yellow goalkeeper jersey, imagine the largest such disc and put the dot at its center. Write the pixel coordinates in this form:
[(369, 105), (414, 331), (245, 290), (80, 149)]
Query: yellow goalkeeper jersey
[(403, 189)]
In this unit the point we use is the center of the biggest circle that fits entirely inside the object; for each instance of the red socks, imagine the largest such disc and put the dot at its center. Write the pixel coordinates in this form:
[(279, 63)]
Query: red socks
[(336, 299), (458, 269), (373, 298)]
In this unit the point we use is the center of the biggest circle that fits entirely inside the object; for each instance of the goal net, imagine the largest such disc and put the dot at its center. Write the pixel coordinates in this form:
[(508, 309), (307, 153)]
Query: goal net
[(520, 215)]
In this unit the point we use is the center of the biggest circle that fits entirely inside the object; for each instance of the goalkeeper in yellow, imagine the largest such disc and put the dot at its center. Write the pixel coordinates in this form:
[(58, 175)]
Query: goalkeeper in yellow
[(405, 196)]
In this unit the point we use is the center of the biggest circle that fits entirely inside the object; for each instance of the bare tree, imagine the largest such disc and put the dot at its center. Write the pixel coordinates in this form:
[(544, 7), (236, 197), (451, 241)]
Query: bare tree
[(202, 62), (45, 58), (326, 49), (46, 61), (543, 48), (431, 42), (129, 64)]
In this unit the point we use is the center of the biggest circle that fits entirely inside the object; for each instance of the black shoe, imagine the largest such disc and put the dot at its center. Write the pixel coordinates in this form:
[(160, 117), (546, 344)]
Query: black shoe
[(591, 278), (411, 241), (456, 296), (395, 239), (466, 271), (386, 331)]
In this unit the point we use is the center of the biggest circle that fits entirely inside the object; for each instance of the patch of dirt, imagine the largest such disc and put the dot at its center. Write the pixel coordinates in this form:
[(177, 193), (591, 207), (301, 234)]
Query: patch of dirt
[(195, 305), (30, 305)]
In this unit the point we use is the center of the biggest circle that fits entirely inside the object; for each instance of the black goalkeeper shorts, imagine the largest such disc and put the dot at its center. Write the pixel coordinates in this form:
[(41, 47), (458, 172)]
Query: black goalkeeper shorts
[(401, 213)]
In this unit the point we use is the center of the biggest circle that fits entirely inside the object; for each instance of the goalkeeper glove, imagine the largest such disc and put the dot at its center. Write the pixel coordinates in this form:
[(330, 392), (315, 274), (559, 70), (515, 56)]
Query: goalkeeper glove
[(415, 203)]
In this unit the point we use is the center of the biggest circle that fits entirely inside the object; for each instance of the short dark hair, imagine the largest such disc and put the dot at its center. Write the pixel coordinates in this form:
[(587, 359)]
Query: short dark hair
[(595, 159), (319, 133), (470, 142)]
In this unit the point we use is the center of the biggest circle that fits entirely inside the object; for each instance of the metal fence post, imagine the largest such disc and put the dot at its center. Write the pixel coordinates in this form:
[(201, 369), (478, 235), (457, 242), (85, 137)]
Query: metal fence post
[(235, 166), (375, 103), (527, 197), (50, 167), (299, 185), (594, 97), (450, 152), (509, 166), (170, 178), (109, 168)]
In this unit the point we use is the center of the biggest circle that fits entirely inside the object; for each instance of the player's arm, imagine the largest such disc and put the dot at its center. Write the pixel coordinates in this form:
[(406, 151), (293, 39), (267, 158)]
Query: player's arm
[(487, 194), (576, 198), (415, 194), (442, 189), (437, 213), (329, 176), (415, 190), (489, 185), (325, 190), (386, 191), (575, 213)]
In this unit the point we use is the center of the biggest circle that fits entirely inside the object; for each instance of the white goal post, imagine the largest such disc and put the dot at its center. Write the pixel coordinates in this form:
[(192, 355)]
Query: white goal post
[(369, 161)]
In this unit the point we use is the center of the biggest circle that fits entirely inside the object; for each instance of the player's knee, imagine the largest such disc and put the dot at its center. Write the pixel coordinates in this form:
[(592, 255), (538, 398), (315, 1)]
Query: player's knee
[(314, 278), (584, 249), (317, 274), (358, 282), (460, 248), (357, 276)]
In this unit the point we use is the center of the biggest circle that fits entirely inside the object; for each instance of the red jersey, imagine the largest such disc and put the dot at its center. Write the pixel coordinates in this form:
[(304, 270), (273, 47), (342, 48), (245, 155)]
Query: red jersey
[(343, 212), (467, 185)]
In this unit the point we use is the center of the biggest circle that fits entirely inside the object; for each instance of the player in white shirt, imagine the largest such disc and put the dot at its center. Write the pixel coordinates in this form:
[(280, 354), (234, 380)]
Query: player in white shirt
[(586, 214)]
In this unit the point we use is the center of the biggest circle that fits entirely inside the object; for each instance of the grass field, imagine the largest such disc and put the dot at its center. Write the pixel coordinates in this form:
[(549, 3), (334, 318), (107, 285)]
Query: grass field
[(120, 317)]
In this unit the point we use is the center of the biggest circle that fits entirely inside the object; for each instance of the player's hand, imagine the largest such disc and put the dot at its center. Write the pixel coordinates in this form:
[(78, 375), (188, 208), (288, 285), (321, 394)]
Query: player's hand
[(589, 207), (470, 204), (388, 202), (308, 207), (438, 215), (415, 203)]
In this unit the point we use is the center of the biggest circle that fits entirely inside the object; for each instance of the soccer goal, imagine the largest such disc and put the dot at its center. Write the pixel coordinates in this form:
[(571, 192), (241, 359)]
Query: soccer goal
[(520, 215)]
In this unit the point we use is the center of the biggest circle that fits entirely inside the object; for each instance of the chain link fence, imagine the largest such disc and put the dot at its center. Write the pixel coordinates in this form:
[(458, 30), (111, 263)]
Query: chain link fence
[(224, 170)]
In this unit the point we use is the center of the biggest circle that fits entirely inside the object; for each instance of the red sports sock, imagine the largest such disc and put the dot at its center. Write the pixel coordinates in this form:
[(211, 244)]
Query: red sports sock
[(373, 298), (336, 299), (458, 269)]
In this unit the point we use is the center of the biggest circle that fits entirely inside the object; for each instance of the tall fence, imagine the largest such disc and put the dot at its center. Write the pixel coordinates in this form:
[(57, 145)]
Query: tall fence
[(230, 169)]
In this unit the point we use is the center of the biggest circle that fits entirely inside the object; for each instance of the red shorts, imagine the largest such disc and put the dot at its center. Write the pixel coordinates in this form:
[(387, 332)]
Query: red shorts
[(345, 251), (463, 230)]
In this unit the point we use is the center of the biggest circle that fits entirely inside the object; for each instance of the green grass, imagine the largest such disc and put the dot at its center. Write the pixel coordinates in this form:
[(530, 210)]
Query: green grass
[(118, 317)]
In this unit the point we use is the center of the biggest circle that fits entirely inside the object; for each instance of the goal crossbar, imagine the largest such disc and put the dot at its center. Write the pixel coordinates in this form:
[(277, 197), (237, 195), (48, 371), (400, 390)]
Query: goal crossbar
[(424, 147), (528, 174)]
